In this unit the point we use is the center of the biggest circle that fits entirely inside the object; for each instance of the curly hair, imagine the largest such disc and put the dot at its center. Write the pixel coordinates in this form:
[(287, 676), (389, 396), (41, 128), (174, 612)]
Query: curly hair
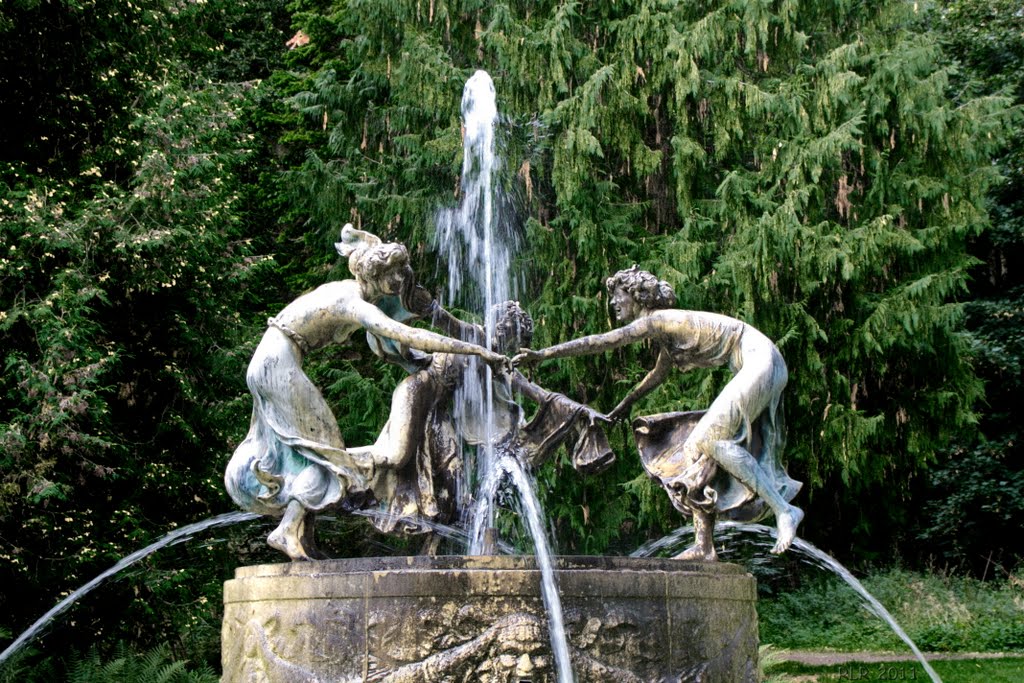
[(519, 320), (645, 288), (374, 262)]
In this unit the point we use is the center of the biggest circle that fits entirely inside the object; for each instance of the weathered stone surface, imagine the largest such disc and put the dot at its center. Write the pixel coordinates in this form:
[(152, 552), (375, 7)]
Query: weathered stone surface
[(442, 619)]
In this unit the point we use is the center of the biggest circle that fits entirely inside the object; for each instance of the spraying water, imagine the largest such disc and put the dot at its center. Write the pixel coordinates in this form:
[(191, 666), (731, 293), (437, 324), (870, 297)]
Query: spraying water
[(817, 557), (507, 465), (478, 243), (177, 536)]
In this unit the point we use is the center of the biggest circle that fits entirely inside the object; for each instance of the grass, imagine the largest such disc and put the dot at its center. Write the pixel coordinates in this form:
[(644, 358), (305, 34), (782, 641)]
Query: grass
[(1003, 670), (940, 613)]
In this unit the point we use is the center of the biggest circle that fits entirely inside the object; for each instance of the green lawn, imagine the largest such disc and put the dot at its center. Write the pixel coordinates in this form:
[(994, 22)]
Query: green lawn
[(1004, 670), (940, 613)]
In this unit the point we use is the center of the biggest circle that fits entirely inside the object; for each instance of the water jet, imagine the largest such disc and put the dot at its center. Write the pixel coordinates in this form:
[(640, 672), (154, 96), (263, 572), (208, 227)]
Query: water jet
[(477, 616)]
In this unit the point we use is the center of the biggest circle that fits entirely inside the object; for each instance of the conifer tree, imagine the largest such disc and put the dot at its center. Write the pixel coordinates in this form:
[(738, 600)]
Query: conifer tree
[(798, 165), (974, 503)]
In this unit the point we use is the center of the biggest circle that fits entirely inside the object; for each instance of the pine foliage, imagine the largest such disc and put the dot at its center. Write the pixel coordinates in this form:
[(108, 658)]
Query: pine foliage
[(798, 165), (974, 504), (817, 169)]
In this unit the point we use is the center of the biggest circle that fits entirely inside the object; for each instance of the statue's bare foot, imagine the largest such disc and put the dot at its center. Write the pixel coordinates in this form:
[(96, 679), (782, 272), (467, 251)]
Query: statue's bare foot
[(288, 544), (787, 523), (698, 552)]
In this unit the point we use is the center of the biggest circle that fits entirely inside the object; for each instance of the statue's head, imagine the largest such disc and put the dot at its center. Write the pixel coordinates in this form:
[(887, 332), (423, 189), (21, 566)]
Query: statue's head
[(383, 266), (513, 327), (632, 291)]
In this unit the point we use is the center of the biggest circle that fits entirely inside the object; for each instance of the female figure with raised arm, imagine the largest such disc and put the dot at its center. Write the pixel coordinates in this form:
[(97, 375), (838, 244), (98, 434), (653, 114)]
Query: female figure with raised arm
[(418, 451), (748, 409), (293, 462)]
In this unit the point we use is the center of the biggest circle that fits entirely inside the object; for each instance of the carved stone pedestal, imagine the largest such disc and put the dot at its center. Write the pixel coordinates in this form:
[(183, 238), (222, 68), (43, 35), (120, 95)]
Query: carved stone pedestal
[(440, 619)]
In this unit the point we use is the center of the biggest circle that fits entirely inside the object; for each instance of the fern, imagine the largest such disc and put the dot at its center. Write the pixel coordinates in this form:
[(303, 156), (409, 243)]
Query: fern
[(126, 666)]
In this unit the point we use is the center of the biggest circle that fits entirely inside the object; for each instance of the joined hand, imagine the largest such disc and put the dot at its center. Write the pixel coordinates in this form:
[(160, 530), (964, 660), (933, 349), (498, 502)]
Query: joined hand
[(596, 416), (526, 357), (498, 363)]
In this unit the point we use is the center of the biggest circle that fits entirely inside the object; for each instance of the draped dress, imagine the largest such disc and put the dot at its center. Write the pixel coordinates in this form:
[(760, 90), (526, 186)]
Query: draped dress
[(677, 448), (294, 449)]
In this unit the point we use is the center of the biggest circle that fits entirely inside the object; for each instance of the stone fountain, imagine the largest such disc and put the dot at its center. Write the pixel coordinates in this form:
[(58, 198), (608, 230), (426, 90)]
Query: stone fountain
[(482, 618), (486, 616)]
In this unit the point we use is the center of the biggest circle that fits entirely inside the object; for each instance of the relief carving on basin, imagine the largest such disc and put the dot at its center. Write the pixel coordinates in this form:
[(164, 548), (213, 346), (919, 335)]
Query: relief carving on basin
[(482, 619)]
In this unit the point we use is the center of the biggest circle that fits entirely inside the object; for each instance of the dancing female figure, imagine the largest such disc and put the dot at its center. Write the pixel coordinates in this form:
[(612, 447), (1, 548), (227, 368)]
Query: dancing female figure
[(293, 462), (747, 409), (419, 449)]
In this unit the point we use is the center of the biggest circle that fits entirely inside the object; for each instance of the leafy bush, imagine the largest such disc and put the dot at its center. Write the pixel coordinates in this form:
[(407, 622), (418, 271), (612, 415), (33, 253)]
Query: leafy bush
[(940, 613)]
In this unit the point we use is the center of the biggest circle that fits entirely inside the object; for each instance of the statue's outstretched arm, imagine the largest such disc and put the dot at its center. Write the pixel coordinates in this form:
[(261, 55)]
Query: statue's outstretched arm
[(637, 330), (532, 391), (376, 321), (539, 395), (654, 378)]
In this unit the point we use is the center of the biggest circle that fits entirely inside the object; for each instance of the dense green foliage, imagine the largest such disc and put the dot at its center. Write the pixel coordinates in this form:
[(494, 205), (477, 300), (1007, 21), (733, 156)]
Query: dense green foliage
[(822, 170), (976, 497), (940, 613)]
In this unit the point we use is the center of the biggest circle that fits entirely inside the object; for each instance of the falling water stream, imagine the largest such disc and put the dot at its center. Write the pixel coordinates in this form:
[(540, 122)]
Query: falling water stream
[(814, 555), (479, 250), (479, 247), (509, 466), (185, 533)]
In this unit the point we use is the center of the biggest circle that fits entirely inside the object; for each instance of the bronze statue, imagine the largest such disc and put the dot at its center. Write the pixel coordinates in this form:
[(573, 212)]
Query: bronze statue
[(740, 433), (293, 462), (418, 452)]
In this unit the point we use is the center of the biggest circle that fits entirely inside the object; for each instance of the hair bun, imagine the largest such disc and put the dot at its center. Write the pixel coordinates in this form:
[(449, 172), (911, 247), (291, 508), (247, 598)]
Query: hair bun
[(353, 240)]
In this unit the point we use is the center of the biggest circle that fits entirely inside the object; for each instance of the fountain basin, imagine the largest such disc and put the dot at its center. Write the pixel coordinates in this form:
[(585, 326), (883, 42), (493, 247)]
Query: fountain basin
[(456, 618)]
